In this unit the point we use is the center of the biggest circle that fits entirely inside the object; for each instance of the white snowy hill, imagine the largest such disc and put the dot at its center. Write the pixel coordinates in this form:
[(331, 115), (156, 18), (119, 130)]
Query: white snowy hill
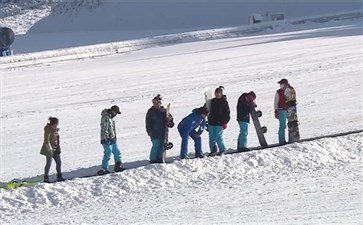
[(62, 24), (318, 182)]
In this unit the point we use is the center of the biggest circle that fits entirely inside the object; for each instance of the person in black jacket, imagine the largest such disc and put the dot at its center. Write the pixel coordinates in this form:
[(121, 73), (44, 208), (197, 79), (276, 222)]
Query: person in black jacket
[(156, 122), (218, 118), (245, 102)]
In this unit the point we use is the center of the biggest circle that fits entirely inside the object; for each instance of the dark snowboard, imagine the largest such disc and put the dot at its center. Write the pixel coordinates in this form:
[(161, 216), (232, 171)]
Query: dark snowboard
[(259, 130)]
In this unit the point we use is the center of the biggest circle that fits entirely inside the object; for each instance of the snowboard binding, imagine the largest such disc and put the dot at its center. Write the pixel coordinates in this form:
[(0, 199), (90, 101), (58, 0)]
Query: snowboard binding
[(168, 146), (264, 129)]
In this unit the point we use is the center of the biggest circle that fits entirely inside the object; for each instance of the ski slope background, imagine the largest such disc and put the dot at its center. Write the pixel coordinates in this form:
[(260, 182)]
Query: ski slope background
[(50, 24), (316, 182)]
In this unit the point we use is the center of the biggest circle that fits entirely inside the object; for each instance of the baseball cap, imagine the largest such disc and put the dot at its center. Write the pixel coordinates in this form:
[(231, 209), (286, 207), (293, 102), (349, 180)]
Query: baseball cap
[(116, 109), (283, 81)]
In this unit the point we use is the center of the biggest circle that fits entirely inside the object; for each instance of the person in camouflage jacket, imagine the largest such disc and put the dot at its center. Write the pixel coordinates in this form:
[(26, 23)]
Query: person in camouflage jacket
[(109, 140)]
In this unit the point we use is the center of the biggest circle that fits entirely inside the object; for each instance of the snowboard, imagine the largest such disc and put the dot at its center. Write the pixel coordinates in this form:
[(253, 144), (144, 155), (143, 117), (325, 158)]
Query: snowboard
[(7, 37), (260, 130), (167, 145), (208, 96), (15, 184), (292, 122)]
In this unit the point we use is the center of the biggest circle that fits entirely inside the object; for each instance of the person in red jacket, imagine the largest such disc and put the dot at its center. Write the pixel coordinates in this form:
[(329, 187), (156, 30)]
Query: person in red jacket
[(283, 95)]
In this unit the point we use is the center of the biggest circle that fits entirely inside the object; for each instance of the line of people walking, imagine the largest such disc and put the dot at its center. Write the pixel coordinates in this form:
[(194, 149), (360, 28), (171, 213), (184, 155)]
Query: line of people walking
[(213, 118)]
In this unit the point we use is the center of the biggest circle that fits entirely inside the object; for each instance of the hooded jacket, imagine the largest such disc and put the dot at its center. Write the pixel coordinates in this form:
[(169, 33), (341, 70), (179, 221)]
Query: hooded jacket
[(51, 141), (108, 128), (219, 112), (156, 122), (193, 122), (243, 108)]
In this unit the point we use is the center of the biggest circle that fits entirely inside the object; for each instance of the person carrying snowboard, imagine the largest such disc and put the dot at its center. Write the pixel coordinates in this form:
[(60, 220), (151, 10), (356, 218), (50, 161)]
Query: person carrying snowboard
[(218, 118), (244, 104), (193, 126), (51, 148), (156, 122), (284, 96), (109, 140)]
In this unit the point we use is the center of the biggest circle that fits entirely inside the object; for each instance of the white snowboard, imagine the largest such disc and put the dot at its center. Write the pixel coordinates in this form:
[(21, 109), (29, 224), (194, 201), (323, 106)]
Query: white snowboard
[(208, 95)]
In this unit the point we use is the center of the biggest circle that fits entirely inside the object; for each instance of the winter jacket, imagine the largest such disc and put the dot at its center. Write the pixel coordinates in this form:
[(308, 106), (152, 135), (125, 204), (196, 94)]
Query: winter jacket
[(280, 100), (284, 98), (193, 122), (156, 122), (108, 128), (243, 108), (219, 112), (51, 141)]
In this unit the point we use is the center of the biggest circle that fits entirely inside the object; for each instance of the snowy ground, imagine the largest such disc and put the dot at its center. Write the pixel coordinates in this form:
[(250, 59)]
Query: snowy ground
[(311, 183), (321, 180)]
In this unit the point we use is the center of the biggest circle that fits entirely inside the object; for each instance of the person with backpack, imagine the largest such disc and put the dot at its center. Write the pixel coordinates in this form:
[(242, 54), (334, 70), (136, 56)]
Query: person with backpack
[(156, 125), (244, 104), (109, 140), (218, 119), (193, 126), (51, 148), (285, 96)]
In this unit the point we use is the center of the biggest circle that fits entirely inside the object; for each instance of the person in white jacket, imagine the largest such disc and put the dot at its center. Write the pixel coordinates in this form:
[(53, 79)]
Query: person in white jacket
[(283, 98)]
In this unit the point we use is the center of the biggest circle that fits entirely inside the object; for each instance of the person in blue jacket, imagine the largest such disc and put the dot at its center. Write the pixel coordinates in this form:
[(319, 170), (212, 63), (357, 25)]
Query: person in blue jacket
[(193, 126), (156, 122)]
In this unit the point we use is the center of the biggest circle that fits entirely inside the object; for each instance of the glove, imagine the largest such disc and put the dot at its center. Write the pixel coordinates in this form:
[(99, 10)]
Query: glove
[(224, 126), (276, 114)]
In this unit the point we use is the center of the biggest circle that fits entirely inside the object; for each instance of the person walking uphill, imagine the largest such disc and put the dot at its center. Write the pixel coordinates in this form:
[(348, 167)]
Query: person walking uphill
[(193, 126), (218, 118), (156, 122), (244, 104), (51, 148), (109, 140)]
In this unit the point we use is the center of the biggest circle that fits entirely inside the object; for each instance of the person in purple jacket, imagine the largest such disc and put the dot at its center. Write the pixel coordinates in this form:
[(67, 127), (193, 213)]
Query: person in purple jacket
[(193, 126)]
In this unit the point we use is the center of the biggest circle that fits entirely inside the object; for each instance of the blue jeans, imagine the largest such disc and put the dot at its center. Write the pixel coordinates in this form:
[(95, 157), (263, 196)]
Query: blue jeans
[(282, 120), (197, 145), (58, 162), (216, 136), (108, 149), (156, 153), (243, 132)]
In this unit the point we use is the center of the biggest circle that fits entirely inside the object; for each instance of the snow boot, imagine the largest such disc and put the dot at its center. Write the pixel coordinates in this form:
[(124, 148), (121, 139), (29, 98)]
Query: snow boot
[(118, 167), (60, 177), (199, 156), (103, 172), (46, 179), (214, 151)]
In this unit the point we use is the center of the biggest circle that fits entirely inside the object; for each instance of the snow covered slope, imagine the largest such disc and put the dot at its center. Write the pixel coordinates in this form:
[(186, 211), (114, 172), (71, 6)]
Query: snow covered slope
[(312, 183), (315, 61), (85, 22), (298, 24), (317, 182)]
